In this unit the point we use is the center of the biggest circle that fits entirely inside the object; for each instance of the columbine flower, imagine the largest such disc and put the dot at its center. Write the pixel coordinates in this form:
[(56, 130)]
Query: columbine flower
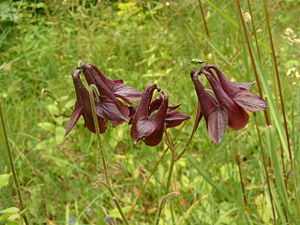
[(227, 106), (151, 118), (173, 118), (83, 107), (238, 92), (108, 106), (215, 115), (237, 117), (118, 89)]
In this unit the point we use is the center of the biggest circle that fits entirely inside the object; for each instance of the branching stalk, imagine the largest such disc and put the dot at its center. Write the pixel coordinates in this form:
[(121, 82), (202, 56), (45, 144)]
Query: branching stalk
[(162, 203), (93, 90), (131, 211), (196, 124)]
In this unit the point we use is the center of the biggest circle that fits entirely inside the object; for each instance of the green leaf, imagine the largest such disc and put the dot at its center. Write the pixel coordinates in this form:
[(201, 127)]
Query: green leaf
[(115, 212), (46, 126), (53, 109), (13, 217), (13, 223), (4, 179), (11, 210)]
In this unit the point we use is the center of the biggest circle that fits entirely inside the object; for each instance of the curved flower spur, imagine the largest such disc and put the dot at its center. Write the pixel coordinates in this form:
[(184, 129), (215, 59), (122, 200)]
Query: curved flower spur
[(108, 107), (120, 90), (228, 104), (152, 117)]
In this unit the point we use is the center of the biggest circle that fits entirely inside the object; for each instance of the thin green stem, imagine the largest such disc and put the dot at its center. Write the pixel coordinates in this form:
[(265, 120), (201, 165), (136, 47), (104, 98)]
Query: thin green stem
[(131, 211), (12, 166), (170, 173), (162, 203), (172, 148), (196, 124), (203, 17), (238, 160), (264, 161), (93, 90)]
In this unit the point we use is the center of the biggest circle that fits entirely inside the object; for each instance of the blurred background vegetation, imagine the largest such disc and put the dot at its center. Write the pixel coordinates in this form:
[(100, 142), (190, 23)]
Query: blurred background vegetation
[(141, 42)]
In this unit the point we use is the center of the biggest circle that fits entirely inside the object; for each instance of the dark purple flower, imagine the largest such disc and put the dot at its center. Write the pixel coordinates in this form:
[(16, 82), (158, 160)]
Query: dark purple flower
[(150, 118), (226, 106), (117, 88), (238, 92), (108, 106), (173, 118), (237, 117), (83, 107), (215, 114)]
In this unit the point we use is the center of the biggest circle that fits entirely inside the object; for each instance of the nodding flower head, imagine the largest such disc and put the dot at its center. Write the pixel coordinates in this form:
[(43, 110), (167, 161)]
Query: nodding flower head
[(83, 107), (108, 107), (214, 113), (150, 118), (227, 105), (237, 117)]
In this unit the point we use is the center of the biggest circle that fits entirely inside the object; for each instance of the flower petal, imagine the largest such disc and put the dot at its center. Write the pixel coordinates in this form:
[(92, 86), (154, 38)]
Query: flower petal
[(207, 102), (217, 123), (118, 81), (77, 112), (125, 92), (144, 128), (249, 101), (89, 123), (173, 107), (228, 86), (174, 119), (108, 107), (117, 87), (159, 120), (110, 112), (237, 117), (141, 115)]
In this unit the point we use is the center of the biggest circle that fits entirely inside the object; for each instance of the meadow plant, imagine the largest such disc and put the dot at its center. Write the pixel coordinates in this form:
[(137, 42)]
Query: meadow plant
[(149, 42), (227, 106), (150, 118)]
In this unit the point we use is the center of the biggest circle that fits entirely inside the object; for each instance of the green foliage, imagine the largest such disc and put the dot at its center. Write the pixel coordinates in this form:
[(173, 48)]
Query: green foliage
[(142, 42), (11, 215)]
